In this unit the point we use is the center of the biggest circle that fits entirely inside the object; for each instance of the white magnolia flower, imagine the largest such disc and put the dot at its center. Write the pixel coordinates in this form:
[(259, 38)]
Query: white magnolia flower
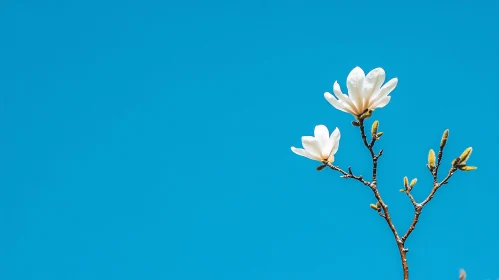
[(321, 146), (364, 92)]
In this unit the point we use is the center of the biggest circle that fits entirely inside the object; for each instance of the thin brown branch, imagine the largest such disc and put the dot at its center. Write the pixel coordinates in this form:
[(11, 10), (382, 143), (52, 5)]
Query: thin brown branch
[(349, 174), (413, 201), (370, 147), (418, 207), (384, 206)]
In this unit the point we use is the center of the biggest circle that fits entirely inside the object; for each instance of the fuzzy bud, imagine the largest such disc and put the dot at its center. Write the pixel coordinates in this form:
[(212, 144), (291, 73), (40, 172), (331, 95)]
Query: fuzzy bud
[(465, 155), (374, 128), (406, 182), (379, 134), (467, 168), (445, 136), (413, 182), (374, 206), (431, 159)]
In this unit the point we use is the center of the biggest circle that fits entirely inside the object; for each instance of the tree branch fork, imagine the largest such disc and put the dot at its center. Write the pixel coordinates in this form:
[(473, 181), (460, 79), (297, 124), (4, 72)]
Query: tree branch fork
[(381, 207)]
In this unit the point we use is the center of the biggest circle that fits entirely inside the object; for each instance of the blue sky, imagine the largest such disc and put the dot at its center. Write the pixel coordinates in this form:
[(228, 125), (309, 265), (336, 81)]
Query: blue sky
[(151, 139)]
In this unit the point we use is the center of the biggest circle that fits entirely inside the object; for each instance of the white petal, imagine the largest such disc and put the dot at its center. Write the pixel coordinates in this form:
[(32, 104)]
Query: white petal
[(311, 145), (388, 87), (380, 103), (321, 133), (372, 84), (322, 136), (345, 100), (355, 83), (333, 101), (304, 153), (335, 139), (335, 134)]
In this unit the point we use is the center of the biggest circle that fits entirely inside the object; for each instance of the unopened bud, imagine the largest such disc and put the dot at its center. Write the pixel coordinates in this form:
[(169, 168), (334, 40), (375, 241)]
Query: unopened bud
[(445, 136), (374, 128), (467, 168), (431, 159), (355, 123), (462, 275), (413, 182), (401, 190), (465, 155), (406, 182), (379, 134), (374, 206), (456, 161)]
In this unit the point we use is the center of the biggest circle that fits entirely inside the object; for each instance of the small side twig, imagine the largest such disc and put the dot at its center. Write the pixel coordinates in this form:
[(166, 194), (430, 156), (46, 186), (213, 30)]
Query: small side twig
[(349, 174), (436, 185)]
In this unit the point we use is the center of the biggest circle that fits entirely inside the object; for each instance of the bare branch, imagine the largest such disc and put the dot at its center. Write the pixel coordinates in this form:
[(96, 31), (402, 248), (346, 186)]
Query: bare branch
[(436, 185), (413, 201), (349, 174)]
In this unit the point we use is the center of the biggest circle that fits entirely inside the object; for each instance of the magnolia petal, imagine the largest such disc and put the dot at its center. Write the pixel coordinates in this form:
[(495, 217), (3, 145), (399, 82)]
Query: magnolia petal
[(335, 102), (335, 134), (387, 88), (311, 145), (372, 84), (380, 103), (304, 153), (321, 134), (345, 100), (355, 83), (335, 141)]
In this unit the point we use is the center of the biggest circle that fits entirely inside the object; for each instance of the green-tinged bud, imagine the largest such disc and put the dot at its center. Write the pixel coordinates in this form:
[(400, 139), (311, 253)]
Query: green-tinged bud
[(431, 159), (413, 182), (319, 168), (374, 128), (379, 134), (401, 190), (467, 168), (374, 206), (445, 136), (355, 123), (465, 155)]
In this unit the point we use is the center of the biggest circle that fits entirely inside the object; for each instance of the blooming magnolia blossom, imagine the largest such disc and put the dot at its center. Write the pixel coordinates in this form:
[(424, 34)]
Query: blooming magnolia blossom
[(321, 146), (364, 92)]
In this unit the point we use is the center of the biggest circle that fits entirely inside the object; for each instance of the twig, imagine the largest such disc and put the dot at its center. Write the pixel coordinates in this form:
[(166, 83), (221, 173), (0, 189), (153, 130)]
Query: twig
[(349, 174), (413, 201), (436, 185)]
